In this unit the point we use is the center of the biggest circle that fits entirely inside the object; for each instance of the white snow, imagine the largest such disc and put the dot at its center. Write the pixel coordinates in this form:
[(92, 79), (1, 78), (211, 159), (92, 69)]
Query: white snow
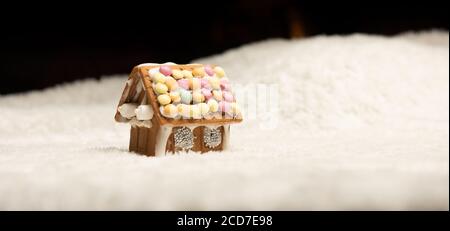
[(363, 123)]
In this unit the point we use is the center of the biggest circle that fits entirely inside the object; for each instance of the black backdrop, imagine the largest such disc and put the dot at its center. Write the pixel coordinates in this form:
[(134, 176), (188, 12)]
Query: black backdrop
[(42, 45)]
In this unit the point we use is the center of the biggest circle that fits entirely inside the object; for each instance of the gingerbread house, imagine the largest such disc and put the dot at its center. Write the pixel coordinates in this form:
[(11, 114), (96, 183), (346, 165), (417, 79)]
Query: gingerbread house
[(175, 108)]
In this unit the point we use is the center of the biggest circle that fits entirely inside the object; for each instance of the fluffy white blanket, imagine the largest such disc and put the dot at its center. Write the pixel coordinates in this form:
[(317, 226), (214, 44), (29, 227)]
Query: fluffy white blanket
[(362, 123)]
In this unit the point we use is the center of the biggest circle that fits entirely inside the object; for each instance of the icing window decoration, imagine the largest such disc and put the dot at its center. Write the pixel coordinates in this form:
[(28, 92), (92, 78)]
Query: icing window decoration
[(166, 103), (212, 137), (184, 138)]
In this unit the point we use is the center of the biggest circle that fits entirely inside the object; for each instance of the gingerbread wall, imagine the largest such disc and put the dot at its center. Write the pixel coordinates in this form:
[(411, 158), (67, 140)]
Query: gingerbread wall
[(143, 140)]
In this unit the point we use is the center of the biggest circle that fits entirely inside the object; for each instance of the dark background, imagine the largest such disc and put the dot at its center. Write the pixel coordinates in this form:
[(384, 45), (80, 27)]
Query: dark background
[(41, 46)]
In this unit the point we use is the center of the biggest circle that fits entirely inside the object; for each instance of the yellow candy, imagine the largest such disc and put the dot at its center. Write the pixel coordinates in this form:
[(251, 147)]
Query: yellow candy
[(198, 72), (175, 96), (164, 99), (195, 84), (159, 78), (184, 110), (177, 74), (196, 112), (219, 71), (215, 82), (198, 97), (170, 110), (213, 105), (204, 108), (171, 83), (187, 74), (235, 109), (180, 108), (161, 88), (217, 95)]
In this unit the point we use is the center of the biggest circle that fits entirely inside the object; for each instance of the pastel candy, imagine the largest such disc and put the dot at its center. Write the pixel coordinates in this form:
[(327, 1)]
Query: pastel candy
[(177, 74), (196, 112), (158, 78), (205, 83), (209, 70), (171, 83), (227, 96), (161, 88), (204, 108), (219, 71), (213, 105), (235, 109), (186, 97), (207, 93), (224, 84), (175, 96), (224, 80), (144, 112), (153, 71), (197, 97), (224, 106), (198, 72), (217, 95), (183, 83), (215, 83), (184, 110), (170, 110), (195, 83), (164, 99), (187, 74), (165, 70)]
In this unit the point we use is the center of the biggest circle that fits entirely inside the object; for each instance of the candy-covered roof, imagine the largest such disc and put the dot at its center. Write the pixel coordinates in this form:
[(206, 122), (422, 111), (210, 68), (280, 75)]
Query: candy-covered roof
[(182, 94)]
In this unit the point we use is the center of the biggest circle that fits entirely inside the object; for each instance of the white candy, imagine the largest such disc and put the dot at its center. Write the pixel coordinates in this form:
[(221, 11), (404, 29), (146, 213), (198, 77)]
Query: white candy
[(127, 110), (153, 71), (144, 112)]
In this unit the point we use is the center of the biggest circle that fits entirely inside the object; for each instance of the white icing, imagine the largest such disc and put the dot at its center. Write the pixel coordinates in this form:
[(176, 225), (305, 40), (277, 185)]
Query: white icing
[(140, 123), (169, 63), (127, 110), (161, 140), (144, 112), (147, 64), (144, 100), (226, 136), (130, 81), (127, 88), (208, 116), (138, 91), (153, 64)]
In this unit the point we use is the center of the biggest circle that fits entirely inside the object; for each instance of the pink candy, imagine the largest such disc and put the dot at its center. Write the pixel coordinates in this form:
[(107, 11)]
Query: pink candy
[(207, 93), (165, 70), (224, 84), (224, 106), (209, 70), (183, 83), (205, 83), (227, 96)]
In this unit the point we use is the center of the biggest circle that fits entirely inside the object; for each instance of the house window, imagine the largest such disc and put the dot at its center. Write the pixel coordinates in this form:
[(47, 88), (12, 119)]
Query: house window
[(184, 138), (212, 137)]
